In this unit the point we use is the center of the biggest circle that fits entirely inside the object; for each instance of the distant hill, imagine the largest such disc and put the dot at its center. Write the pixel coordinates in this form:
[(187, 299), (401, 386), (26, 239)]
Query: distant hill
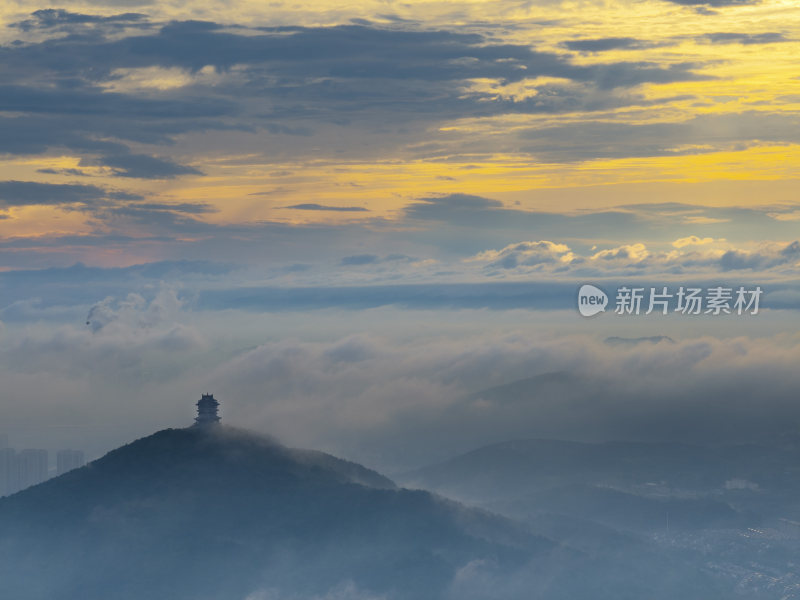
[(541, 387), (625, 485), (521, 467), (223, 514), (731, 511)]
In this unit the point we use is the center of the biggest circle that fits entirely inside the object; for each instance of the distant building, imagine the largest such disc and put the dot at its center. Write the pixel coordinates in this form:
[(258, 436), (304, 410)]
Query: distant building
[(32, 467), (66, 460), (19, 470), (3, 441), (207, 408), (9, 472)]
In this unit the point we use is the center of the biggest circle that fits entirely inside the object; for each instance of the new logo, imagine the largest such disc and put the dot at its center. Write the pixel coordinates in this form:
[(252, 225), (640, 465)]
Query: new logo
[(591, 300)]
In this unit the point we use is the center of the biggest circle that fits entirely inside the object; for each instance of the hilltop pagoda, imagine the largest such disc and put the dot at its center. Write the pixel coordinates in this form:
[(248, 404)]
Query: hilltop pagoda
[(207, 411)]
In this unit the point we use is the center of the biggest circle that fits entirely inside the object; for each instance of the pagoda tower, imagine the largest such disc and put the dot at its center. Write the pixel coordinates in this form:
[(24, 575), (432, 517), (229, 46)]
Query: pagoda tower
[(207, 411)]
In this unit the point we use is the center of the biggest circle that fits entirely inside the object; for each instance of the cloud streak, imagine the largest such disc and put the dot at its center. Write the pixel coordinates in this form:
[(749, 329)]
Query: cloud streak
[(323, 207)]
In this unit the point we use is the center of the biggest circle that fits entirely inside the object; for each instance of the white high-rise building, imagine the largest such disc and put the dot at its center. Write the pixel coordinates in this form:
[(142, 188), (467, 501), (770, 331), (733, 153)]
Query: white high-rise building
[(9, 472), (32, 467), (66, 460), (19, 470)]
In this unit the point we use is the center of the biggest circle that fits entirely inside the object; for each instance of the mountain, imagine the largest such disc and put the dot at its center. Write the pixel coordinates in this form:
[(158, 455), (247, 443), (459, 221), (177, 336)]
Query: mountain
[(539, 388), (529, 466), (730, 510), (219, 513), (222, 514), (634, 487)]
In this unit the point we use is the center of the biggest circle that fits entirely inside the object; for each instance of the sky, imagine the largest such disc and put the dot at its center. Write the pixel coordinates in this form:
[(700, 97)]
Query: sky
[(349, 220)]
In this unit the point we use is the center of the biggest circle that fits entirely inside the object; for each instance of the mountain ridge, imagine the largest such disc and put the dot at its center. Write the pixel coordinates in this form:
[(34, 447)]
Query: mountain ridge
[(213, 513)]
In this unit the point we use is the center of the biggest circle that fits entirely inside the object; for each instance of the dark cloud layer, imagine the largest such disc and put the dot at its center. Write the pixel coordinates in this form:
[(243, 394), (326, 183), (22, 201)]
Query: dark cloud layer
[(450, 206), (476, 213), (324, 207), (55, 18), (309, 77), (144, 166), (706, 133), (88, 101), (26, 193), (734, 259), (603, 44), (714, 3), (745, 38), (539, 295)]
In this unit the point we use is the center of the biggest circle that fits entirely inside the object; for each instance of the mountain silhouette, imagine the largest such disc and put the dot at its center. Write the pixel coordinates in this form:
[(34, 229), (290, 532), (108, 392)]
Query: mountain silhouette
[(217, 513), (531, 465), (220, 513), (726, 510)]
